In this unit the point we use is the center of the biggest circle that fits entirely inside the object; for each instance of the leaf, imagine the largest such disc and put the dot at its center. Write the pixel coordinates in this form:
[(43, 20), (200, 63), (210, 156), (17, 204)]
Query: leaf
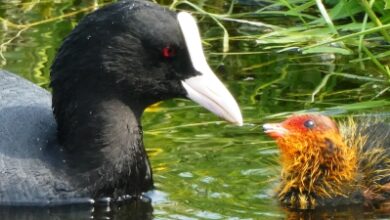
[(387, 4), (363, 105), (325, 49), (345, 9)]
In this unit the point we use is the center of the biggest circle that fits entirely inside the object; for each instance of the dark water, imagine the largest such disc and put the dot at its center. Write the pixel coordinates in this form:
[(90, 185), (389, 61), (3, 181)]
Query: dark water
[(203, 167)]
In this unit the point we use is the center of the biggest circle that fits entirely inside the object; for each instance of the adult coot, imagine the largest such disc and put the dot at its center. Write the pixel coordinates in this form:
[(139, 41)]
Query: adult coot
[(115, 63), (329, 164)]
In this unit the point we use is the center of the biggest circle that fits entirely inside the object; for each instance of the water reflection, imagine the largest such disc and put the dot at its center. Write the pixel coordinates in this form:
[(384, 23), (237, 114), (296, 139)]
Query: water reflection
[(134, 210), (340, 212), (37, 213), (142, 209)]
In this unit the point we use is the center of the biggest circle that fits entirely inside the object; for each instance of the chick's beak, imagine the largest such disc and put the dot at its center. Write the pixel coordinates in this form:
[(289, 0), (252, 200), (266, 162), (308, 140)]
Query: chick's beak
[(274, 130), (205, 88)]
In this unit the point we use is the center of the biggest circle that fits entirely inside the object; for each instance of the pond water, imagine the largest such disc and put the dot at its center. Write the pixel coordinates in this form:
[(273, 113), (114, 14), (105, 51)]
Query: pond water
[(203, 167)]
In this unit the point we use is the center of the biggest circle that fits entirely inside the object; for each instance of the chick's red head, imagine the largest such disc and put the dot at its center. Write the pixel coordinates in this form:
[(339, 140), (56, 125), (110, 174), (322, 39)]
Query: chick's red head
[(301, 124), (304, 134), (314, 158)]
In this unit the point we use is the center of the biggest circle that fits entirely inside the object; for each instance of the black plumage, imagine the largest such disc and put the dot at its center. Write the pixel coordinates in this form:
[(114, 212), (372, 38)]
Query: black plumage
[(115, 63)]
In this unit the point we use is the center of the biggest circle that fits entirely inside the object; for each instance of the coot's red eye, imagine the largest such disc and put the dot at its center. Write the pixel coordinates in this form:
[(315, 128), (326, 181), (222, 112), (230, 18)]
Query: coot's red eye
[(168, 52)]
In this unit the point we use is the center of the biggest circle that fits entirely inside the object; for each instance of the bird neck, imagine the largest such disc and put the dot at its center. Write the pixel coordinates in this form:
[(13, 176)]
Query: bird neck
[(104, 145), (316, 166)]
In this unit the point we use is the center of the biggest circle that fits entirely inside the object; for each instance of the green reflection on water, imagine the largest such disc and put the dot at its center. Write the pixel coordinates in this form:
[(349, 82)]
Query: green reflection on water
[(206, 168)]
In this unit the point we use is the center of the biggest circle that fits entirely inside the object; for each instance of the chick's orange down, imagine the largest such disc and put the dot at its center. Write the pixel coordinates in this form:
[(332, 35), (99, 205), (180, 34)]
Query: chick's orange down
[(328, 164)]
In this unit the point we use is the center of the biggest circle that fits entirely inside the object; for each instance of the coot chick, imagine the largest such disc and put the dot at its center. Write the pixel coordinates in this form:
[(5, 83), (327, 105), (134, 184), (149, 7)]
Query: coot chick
[(118, 60), (330, 164)]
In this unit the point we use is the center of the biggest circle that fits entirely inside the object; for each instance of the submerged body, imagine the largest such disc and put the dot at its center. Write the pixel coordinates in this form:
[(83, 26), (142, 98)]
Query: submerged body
[(329, 164), (118, 60)]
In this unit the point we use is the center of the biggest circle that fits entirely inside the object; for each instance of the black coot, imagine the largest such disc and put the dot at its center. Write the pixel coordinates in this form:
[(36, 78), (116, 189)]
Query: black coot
[(115, 63)]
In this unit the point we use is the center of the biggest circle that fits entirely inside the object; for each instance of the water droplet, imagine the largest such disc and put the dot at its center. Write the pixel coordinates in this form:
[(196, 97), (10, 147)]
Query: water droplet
[(249, 78), (186, 174)]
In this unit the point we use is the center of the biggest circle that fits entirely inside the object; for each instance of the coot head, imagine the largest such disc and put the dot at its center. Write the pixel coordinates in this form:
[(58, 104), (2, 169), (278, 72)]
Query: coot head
[(115, 63), (141, 53)]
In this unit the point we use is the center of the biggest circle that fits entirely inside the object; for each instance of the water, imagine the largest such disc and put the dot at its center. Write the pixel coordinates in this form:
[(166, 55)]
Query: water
[(203, 167)]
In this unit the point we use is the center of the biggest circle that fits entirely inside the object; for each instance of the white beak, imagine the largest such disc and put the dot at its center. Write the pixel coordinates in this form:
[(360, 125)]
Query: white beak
[(206, 89)]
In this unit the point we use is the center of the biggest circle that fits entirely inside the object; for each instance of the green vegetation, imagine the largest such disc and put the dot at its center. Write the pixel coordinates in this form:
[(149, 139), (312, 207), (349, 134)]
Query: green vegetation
[(354, 32)]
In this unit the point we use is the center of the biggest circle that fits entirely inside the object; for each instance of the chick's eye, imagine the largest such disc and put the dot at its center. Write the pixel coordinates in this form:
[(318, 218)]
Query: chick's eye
[(168, 52), (309, 124)]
